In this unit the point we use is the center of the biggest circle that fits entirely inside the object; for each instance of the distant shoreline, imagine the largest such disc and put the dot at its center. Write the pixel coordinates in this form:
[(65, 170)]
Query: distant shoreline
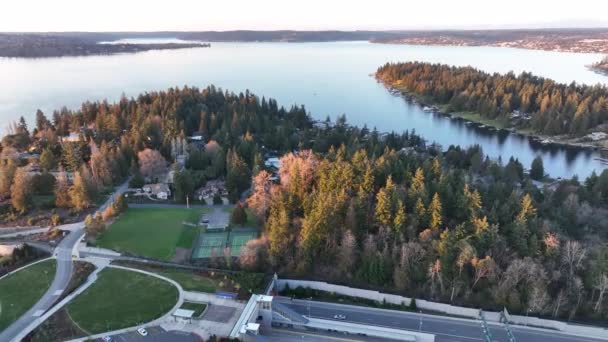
[(55, 44), (76, 50)]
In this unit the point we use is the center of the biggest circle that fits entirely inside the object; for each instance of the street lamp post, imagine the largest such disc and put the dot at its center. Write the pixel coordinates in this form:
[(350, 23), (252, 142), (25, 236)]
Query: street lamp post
[(420, 326)]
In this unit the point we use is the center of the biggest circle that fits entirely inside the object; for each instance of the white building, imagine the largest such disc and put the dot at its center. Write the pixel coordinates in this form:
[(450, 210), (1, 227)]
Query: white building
[(73, 137), (161, 191)]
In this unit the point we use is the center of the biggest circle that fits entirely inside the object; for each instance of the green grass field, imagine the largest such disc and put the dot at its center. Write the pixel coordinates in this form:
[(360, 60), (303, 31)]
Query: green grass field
[(152, 232), (21, 290), (121, 299), (188, 280), (198, 308)]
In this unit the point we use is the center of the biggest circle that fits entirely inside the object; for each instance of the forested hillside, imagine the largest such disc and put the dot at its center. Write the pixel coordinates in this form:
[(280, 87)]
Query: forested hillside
[(351, 205), (542, 105)]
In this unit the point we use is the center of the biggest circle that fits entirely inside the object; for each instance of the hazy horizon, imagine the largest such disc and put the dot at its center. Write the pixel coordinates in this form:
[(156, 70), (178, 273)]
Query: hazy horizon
[(314, 15)]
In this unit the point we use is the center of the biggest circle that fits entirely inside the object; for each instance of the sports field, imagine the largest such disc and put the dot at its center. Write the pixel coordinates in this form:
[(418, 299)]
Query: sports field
[(213, 243), (151, 232), (210, 244)]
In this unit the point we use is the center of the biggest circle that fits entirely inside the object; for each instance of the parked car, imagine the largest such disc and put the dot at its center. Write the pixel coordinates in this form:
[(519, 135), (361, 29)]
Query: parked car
[(107, 339), (340, 317), (142, 332)]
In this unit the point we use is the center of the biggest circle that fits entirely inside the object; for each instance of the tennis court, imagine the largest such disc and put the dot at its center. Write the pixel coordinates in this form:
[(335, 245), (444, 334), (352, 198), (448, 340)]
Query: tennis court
[(213, 243), (238, 239), (210, 244)]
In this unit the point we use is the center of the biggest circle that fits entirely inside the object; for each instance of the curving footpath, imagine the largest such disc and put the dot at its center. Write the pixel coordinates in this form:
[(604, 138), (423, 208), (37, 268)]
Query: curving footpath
[(63, 254), (180, 301)]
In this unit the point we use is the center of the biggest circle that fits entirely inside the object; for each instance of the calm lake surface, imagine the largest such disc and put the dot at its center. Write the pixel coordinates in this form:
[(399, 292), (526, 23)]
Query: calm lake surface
[(328, 78)]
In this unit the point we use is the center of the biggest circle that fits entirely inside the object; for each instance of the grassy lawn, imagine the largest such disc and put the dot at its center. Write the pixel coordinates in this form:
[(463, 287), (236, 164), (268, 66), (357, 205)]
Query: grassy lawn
[(475, 117), (120, 299), (19, 291), (198, 308), (188, 280), (152, 232), (43, 201)]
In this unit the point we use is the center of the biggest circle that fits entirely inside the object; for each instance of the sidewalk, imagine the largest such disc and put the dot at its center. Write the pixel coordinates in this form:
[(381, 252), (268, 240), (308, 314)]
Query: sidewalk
[(38, 321), (159, 321)]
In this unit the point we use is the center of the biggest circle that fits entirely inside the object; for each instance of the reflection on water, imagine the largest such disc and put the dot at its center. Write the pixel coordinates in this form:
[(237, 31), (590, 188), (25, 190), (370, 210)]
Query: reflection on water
[(329, 78)]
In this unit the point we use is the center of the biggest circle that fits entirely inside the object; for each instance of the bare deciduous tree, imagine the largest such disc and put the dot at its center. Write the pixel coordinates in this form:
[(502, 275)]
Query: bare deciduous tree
[(254, 254), (484, 268), (151, 163), (573, 255), (305, 163), (346, 254), (601, 284), (435, 278), (260, 199)]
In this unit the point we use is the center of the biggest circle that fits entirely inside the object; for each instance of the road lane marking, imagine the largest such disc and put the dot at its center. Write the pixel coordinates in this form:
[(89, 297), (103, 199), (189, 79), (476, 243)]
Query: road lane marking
[(401, 329), (317, 335)]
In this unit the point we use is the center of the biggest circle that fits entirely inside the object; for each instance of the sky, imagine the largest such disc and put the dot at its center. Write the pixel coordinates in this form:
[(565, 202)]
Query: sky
[(221, 15)]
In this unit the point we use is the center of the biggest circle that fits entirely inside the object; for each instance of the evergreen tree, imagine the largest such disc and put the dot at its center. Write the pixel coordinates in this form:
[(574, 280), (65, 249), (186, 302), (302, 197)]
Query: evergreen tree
[(47, 160), (239, 215), (537, 171), (277, 228), (435, 212), (79, 193), (62, 196)]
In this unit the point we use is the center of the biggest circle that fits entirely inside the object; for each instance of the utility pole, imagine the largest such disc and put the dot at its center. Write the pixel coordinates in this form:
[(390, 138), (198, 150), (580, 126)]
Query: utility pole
[(187, 201)]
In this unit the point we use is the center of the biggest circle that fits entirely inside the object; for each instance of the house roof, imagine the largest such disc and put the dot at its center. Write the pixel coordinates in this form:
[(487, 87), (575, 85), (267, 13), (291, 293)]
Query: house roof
[(157, 188)]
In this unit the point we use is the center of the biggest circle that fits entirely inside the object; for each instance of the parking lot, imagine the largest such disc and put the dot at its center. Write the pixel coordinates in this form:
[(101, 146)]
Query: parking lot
[(155, 334), (219, 313), (216, 219)]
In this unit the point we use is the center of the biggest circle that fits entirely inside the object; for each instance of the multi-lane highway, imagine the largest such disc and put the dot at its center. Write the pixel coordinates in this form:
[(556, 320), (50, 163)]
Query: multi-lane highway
[(63, 255), (444, 328)]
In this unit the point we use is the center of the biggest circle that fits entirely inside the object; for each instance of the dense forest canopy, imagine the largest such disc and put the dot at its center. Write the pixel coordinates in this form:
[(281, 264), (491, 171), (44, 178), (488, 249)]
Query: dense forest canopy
[(553, 108), (351, 205)]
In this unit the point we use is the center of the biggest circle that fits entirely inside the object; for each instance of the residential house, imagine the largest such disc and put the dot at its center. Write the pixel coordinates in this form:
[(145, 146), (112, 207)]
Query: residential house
[(160, 190)]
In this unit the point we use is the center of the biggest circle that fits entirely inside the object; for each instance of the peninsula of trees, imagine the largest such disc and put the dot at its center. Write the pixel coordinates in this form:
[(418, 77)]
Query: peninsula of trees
[(50, 45), (350, 205), (524, 101), (601, 66)]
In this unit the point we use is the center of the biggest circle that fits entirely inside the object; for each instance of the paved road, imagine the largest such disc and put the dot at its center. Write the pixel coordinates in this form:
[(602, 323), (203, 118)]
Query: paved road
[(292, 335), (23, 233), (445, 328), (178, 206), (63, 255)]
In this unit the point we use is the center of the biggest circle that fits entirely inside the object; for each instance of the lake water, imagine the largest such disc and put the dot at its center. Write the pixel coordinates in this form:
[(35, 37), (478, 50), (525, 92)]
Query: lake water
[(328, 78)]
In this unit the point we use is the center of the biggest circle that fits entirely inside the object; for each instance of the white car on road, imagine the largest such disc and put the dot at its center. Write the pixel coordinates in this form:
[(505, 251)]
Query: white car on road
[(142, 332), (340, 317)]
